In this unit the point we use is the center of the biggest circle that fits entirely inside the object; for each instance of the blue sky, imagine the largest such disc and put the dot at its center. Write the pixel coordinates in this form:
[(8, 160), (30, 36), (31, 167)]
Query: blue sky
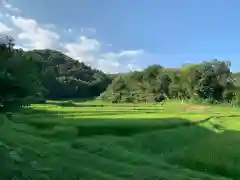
[(118, 35)]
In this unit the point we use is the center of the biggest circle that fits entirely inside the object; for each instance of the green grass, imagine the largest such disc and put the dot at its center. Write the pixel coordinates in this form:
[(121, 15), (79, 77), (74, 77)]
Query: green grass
[(96, 140)]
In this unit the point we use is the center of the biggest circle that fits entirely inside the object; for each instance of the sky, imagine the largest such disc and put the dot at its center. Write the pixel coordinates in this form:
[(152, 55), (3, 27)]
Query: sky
[(125, 35)]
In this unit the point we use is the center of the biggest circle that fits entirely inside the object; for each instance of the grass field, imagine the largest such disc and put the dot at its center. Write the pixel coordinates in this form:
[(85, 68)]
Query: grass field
[(94, 140)]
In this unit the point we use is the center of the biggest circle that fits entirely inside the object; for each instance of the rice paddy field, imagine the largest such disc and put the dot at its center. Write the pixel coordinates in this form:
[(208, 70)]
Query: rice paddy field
[(94, 140)]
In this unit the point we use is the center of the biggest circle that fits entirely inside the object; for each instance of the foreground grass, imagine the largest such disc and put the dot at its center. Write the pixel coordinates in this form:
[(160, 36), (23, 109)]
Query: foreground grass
[(94, 140)]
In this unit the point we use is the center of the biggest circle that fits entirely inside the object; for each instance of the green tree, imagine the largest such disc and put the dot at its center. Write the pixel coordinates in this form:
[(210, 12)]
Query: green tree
[(19, 77), (208, 81), (64, 77)]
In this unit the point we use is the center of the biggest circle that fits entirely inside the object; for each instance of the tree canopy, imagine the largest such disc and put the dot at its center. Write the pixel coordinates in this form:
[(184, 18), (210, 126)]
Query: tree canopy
[(64, 77), (209, 81)]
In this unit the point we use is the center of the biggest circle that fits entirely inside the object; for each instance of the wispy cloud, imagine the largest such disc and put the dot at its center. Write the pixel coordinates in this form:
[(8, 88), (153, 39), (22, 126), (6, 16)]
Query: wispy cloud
[(9, 6), (4, 28)]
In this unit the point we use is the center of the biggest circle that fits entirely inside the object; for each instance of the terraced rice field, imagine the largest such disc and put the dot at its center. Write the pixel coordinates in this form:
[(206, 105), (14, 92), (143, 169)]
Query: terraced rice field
[(95, 140)]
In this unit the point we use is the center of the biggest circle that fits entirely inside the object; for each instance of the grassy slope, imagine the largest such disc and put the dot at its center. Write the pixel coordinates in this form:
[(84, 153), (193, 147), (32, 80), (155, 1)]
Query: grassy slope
[(103, 141)]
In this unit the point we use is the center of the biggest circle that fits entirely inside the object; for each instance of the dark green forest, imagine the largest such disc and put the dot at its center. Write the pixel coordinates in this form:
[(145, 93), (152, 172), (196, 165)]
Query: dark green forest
[(33, 76)]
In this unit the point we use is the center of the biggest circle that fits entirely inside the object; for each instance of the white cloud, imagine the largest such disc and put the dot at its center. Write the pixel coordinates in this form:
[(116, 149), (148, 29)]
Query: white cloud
[(30, 34), (89, 50), (84, 45), (33, 35), (4, 28), (9, 7), (131, 53), (21, 47), (134, 67), (85, 49), (121, 62)]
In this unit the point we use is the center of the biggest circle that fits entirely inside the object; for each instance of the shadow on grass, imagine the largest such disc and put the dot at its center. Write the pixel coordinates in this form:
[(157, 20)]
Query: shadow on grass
[(210, 152), (115, 127), (75, 104), (72, 113), (102, 126), (74, 99)]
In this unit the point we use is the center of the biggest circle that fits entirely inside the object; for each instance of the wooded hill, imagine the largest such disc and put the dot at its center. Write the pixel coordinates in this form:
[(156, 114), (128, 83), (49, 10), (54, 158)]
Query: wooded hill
[(210, 81), (27, 77), (64, 77)]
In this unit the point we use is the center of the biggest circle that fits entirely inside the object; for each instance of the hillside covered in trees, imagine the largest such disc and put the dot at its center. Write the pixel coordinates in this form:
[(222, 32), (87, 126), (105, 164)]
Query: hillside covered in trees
[(211, 81), (64, 77), (33, 76)]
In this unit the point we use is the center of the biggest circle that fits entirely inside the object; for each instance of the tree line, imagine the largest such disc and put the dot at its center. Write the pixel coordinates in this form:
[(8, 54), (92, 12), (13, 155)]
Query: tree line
[(33, 76), (210, 81)]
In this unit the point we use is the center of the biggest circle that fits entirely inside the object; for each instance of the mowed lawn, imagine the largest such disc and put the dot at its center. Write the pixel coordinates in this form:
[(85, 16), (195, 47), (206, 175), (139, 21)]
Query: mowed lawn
[(95, 140)]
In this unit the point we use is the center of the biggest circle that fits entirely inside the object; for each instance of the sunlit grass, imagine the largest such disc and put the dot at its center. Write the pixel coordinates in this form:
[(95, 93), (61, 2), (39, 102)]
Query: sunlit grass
[(97, 140)]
